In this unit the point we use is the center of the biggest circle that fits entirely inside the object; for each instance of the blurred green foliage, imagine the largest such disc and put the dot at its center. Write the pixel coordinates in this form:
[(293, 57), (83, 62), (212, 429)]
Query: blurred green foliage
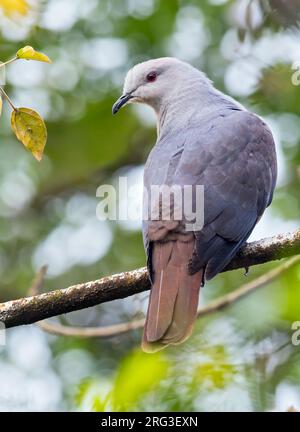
[(240, 359)]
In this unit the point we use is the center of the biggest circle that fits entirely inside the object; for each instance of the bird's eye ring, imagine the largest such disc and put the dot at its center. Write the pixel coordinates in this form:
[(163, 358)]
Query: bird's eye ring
[(151, 76)]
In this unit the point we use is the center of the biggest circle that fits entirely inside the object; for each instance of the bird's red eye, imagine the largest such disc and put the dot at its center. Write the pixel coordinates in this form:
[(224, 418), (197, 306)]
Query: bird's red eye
[(151, 76)]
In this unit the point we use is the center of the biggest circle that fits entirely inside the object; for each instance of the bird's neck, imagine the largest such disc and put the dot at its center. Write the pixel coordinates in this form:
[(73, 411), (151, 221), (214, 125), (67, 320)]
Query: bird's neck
[(189, 104)]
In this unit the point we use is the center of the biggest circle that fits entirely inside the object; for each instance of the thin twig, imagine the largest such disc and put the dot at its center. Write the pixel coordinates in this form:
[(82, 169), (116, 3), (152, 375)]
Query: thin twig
[(91, 332), (8, 62), (7, 98), (215, 306), (38, 281), (248, 288)]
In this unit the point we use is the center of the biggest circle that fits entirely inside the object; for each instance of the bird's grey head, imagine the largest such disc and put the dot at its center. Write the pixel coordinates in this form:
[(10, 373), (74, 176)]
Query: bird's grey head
[(154, 81)]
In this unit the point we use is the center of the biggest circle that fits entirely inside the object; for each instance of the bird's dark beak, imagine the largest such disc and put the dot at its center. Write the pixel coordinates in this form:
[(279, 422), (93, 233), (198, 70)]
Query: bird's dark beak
[(120, 102)]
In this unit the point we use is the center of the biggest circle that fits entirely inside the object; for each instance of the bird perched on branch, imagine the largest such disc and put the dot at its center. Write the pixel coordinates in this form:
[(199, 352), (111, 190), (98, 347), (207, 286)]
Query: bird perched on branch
[(204, 138)]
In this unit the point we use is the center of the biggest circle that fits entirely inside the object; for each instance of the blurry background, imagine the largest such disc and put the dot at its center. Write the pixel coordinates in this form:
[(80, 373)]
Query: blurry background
[(240, 359)]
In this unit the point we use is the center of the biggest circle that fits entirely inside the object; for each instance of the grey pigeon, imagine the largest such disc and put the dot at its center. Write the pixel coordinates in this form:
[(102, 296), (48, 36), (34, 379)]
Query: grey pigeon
[(204, 137)]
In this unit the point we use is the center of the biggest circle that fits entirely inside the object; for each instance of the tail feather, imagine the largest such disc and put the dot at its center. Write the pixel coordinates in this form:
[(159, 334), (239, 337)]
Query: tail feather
[(185, 310), (174, 296), (162, 303)]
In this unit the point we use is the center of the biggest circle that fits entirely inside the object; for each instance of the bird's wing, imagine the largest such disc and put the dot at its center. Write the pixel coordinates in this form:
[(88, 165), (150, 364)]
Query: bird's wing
[(159, 170), (234, 158)]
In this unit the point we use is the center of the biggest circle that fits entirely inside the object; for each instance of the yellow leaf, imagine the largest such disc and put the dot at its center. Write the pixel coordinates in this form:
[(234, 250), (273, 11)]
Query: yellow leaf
[(30, 129), (29, 53), (12, 7)]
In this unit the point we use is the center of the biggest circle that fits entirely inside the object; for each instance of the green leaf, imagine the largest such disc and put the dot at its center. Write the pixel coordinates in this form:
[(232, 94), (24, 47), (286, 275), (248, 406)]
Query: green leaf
[(29, 53), (215, 375), (99, 405), (30, 129), (139, 373)]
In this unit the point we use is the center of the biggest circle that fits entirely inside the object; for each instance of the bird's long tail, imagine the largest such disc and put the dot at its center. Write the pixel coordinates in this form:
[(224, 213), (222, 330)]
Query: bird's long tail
[(173, 303)]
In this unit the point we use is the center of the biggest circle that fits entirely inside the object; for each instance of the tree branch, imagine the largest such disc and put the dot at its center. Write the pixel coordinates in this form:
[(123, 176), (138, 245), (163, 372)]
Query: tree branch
[(36, 308), (215, 306)]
